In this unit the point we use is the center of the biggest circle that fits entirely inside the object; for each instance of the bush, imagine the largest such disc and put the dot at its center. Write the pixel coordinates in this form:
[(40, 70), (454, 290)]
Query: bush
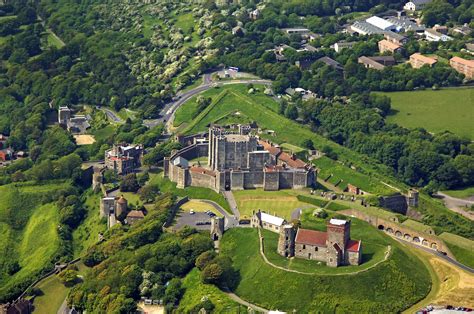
[(68, 277), (204, 259), (212, 273)]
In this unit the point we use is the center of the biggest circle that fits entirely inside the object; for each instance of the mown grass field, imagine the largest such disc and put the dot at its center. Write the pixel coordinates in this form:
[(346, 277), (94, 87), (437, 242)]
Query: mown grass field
[(29, 231), (436, 111), (53, 295), (462, 248), (387, 288), (199, 206), (196, 290), (280, 203)]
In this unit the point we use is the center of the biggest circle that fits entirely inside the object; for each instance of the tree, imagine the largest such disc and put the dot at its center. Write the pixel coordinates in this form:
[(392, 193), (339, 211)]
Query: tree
[(68, 277), (212, 273), (291, 112), (129, 183), (308, 143), (204, 259), (148, 193)]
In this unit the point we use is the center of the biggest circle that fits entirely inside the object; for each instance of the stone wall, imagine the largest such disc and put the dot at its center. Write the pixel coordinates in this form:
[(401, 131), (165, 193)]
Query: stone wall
[(354, 258), (202, 180), (253, 179), (285, 179), (312, 252), (258, 159), (237, 180), (271, 181), (396, 203)]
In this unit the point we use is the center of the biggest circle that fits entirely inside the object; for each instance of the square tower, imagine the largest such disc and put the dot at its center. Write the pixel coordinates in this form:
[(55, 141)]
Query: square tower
[(338, 232)]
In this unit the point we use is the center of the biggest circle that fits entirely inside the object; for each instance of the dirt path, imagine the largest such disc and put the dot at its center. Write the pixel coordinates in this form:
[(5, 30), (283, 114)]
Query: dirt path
[(450, 284), (387, 254), (237, 299), (457, 204)]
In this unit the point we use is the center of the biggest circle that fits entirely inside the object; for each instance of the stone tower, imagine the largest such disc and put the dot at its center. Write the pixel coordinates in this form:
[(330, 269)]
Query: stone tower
[(412, 198), (107, 205), (338, 232), (217, 228), (286, 241), (121, 206)]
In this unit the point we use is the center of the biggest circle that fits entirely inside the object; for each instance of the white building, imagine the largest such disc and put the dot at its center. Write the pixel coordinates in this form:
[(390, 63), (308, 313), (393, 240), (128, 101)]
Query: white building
[(432, 35), (416, 5), (381, 23), (338, 47), (267, 221)]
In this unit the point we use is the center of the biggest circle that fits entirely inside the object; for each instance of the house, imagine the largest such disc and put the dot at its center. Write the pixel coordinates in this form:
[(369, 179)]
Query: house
[(238, 31), (395, 38), (304, 64), (463, 66), (385, 45), (416, 5), (381, 23), (378, 62), (255, 14), (6, 154), (296, 31), (338, 47), (64, 114), (267, 221), (470, 47), (332, 63), (463, 30), (77, 124), (441, 29), (432, 35), (134, 215), (418, 60), (353, 189)]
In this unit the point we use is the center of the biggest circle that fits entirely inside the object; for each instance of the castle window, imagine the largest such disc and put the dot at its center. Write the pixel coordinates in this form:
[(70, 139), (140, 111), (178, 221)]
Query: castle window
[(286, 238), (304, 246), (330, 260), (316, 249)]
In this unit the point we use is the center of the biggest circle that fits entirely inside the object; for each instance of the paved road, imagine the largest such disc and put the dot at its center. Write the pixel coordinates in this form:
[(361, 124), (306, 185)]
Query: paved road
[(168, 111), (230, 220), (232, 203), (445, 257), (456, 204), (111, 115)]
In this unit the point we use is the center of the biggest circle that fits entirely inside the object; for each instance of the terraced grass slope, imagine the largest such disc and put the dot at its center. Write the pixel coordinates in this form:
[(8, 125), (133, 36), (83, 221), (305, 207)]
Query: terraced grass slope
[(29, 233), (387, 288), (436, 111), (462, 248)]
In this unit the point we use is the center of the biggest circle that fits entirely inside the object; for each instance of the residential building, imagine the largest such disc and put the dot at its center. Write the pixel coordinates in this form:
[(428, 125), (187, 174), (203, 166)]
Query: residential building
[(470, 47), (395, 38), (463, 66), (418, 60), (64, 114), (388, 46), (441, 29), (463, 30), (338, 47), (381, 23), (133, 216), (377, 62), (416, 5), (255, 14), (238, 31), (432, 35), (332, 63)]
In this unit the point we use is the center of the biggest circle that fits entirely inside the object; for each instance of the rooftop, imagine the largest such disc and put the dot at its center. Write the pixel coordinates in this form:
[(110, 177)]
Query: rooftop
[(379, 22), (353, 246), (274, 220), (462, 61), (389, 44), (338, 222), (236, 137), (135, 214), (311, 237), (423, 58)]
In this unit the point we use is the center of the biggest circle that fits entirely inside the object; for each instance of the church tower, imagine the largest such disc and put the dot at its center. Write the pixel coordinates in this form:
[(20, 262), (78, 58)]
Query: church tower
[(286, 240)]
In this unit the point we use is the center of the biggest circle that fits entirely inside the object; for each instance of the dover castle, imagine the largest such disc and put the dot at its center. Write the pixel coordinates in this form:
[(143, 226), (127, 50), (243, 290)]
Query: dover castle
[(237, 160)]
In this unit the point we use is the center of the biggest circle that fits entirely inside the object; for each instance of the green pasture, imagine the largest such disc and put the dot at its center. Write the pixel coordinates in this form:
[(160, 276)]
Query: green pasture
[(462, 248), (435, 110), (461, 193)]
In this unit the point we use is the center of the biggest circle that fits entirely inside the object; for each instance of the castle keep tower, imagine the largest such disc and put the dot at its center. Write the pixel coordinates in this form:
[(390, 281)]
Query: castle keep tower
[(338, 233), (286, 241)]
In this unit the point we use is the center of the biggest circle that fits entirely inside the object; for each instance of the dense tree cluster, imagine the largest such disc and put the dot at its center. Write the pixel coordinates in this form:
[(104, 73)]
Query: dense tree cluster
[(140, 261)]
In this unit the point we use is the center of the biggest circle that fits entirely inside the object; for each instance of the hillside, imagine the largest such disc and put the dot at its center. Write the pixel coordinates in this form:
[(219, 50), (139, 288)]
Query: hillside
[(28, 227)]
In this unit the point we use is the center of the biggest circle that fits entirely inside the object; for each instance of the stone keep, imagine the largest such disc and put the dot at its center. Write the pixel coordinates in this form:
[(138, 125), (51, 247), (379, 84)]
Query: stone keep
[(286, 241), (107, 206), (217, 228)]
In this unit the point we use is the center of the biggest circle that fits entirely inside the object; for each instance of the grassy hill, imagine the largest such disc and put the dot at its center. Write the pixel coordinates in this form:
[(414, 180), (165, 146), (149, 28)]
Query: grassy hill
[(28, 227), (435, 111), (387, 288), (462, 248)]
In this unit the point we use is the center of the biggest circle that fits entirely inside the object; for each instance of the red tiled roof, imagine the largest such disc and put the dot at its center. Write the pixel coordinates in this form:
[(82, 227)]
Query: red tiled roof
[(311, 237), (293, 163), (136, 214), (353, 246), (202, 170), (271, 149)]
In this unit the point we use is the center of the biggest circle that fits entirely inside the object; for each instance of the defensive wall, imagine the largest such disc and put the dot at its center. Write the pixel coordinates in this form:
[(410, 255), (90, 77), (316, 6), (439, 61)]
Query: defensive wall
[(425, 238)]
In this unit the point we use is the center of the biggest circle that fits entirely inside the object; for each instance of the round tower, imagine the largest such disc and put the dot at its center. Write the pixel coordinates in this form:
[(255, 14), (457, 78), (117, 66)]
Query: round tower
[(121, 206), (286, 241)]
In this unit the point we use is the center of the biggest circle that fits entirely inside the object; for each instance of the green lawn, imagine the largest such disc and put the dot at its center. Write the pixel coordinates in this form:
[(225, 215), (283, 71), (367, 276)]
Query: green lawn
[(436, 111), (462, 248), (53, 295), (196, 290), (104, 133), (54, 41), (344, 175), (387, 288), (281, 203), (462, 193)]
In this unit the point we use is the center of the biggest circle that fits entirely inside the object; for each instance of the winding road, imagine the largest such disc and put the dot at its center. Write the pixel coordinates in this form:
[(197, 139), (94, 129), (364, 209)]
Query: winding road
[(168, 111)]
